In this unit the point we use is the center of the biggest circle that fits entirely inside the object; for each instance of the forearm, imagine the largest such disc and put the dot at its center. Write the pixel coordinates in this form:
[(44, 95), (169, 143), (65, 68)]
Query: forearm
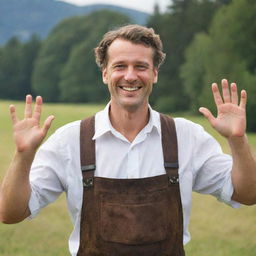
[(243, 171), (15, 189)]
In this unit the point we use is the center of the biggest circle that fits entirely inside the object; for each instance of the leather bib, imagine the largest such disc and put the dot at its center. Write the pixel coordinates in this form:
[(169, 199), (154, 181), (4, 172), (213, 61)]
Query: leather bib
[(131, 217)]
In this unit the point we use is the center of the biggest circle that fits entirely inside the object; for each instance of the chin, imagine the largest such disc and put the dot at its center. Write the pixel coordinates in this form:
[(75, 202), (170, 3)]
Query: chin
[(132, 106)]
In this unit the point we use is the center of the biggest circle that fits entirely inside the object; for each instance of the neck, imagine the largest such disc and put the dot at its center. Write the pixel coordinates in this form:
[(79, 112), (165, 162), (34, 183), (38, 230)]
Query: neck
[(129, 123)]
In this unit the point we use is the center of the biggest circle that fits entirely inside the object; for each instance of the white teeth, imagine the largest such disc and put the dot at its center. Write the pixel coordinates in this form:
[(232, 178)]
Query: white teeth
[(130, 89)]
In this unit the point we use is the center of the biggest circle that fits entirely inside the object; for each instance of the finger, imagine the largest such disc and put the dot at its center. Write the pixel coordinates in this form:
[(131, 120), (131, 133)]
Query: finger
[(216, 94), (225, 91), (13, 114), (47, 124), (28, 107), (38, 108), (243, 99), (207, 114), (234, 96)]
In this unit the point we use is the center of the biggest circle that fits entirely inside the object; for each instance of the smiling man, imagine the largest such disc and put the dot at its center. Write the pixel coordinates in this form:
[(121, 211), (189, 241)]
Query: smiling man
[(129, 171), (129, 74)]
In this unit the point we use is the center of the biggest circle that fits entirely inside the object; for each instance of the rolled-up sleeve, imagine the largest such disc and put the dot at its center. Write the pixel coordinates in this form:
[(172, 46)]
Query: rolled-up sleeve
[(212, 168), (47, 174)]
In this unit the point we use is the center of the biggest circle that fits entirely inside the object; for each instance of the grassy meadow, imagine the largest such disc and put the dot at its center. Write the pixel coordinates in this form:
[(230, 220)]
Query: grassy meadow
[(216, 229)]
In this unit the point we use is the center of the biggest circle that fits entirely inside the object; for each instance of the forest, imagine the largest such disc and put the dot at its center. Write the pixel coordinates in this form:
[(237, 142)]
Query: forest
[(204, 40)]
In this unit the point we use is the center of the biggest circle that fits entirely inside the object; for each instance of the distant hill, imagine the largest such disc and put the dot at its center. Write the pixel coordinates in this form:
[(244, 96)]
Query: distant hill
[(22, 18)]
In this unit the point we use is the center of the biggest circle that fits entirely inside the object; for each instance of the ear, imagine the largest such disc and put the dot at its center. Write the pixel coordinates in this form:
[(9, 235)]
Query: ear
[(155, 70), (104, 76)]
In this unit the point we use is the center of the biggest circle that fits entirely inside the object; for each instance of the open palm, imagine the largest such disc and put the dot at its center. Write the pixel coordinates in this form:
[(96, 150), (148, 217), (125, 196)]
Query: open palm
[(28, 134), (231, 116)]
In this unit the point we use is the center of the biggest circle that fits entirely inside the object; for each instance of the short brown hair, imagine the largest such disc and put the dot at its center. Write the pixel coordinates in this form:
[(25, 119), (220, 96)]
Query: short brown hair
[(136, 34)]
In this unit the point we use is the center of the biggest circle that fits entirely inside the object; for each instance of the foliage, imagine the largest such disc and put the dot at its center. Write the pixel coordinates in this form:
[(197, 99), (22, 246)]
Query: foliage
[(205, 41), (10, 76), (65, 69), (193, 70), (177, 28), (228, 51), (16, 67), (81, 78)]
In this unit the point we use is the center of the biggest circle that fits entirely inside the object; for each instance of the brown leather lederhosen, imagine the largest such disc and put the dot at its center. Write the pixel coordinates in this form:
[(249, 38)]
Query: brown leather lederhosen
[(131, 217)]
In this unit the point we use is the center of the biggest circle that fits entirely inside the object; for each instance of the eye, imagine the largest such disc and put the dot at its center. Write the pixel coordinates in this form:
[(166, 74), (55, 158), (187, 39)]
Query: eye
[(119, 66), (141, 67)]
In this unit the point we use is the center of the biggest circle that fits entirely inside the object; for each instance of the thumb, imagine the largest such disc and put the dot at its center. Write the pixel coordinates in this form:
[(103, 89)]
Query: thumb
[(47, 124), (207, 114)]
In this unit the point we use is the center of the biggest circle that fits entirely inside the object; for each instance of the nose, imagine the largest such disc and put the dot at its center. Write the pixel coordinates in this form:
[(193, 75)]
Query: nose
[(130, 75)]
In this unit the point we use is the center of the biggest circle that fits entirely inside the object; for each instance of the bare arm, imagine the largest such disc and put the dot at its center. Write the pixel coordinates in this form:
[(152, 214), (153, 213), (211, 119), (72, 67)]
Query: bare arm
[(15, 189), (231, 123)]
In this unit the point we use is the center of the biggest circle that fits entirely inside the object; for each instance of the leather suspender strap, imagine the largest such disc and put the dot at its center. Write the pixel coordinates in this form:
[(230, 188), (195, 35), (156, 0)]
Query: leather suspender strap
[(169, 144), (87, 150), (170, 148)]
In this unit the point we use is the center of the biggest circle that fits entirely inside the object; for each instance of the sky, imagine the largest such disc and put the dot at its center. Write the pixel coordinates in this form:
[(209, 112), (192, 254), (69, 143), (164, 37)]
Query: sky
[(142, 5)]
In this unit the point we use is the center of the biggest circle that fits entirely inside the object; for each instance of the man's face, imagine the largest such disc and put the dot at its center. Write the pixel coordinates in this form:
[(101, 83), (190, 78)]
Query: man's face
[(129, 74)]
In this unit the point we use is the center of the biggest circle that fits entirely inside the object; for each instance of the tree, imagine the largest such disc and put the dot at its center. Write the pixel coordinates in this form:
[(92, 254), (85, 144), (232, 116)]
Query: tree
[(16, 66), (10, 66), (52, 65), (177, 28), (30, 51), (193, 70), (81, 78), (53, 55), (230, 53)]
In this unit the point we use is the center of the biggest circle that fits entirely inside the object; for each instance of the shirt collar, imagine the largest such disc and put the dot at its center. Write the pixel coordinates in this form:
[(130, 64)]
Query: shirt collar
[(103, 124)]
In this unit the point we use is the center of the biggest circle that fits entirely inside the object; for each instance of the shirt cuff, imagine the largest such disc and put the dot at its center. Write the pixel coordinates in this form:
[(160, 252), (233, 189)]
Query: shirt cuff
[(226, 194), (33, 205)]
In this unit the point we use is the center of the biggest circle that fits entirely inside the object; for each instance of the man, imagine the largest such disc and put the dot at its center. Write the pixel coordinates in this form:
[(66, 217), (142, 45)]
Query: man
[(133, 199)]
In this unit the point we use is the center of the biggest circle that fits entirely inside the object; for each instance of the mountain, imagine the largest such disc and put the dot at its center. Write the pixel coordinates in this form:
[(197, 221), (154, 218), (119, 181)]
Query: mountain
[(22, 18)]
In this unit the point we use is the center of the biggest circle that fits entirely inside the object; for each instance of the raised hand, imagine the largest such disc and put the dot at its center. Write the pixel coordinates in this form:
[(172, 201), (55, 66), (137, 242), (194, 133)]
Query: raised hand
[(231, 116), (28, 134)]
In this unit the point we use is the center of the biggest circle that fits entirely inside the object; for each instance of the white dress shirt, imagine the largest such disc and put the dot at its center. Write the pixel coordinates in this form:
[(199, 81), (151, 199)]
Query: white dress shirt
[(56, 167)]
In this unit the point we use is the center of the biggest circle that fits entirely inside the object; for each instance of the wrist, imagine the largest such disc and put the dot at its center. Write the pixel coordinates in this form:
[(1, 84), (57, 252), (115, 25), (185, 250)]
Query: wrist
[(238, 143), (237, 139), (25, 157)]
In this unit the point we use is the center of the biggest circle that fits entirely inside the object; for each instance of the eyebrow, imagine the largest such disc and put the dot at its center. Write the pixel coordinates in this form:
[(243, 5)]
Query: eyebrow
[(143, 63), (136, 63)]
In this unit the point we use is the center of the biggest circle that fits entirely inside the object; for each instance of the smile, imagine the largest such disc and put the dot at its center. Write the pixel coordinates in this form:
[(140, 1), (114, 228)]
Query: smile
[(130, 89)]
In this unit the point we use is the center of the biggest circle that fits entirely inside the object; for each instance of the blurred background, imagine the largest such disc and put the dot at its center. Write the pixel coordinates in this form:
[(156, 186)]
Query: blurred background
[(46, 48)]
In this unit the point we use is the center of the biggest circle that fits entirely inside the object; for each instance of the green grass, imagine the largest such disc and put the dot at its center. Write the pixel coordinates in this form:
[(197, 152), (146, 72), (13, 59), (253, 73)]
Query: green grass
[(217, 230)]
